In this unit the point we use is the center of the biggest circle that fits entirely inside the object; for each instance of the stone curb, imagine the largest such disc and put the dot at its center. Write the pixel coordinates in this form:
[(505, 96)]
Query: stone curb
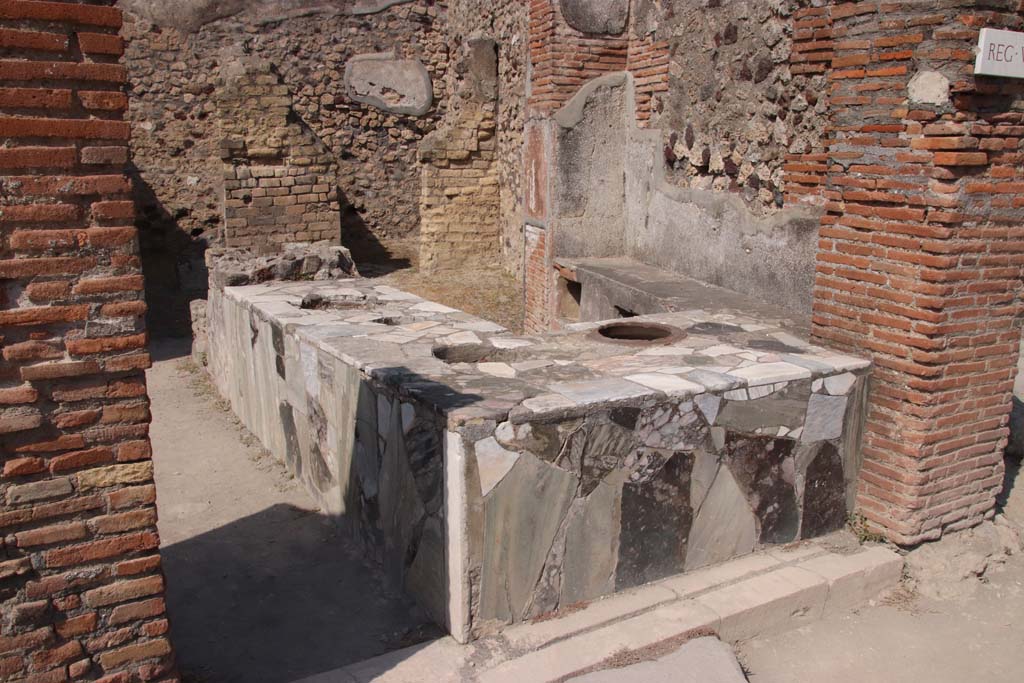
[(764, 593)]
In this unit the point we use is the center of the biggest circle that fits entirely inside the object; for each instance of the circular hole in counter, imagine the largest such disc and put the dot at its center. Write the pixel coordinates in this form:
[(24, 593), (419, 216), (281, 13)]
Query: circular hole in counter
[(638, 333)]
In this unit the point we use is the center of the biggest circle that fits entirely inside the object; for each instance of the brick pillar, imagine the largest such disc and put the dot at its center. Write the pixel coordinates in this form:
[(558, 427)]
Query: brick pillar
[(921, 252), (280, 180), (81, 590), (460, 203)]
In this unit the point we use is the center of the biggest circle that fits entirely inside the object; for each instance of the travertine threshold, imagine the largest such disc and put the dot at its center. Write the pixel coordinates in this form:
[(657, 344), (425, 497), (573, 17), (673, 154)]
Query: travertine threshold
[(763, 593), (500, 478)]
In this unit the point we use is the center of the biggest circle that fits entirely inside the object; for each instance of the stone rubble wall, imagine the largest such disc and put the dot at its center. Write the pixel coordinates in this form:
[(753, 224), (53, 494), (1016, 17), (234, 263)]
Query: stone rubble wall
[(740, 98), (178, 61), (81, 586)]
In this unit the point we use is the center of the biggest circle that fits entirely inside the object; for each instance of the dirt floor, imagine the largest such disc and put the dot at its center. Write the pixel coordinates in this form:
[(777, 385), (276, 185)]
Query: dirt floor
[(485, 291), (260, 586), (959, 617)]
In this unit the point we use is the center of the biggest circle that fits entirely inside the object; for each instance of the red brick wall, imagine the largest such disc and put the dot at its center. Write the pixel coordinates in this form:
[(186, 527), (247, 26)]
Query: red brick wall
[(804, 175), (921, 253), (562, 59), (540, 276), (647, 60), (80, 580)]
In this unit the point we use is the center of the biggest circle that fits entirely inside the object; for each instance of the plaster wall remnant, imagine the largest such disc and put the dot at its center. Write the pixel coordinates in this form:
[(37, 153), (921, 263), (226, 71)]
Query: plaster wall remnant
[(374, 6), (596, 16), (401, 86), (929, 87)]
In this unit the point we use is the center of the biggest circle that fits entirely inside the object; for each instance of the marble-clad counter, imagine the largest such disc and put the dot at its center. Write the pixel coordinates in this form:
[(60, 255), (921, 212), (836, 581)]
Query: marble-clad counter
[(500, 477)]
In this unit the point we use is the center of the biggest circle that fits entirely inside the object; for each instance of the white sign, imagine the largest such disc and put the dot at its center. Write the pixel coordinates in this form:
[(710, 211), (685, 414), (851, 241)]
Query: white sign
[(1000, 53)]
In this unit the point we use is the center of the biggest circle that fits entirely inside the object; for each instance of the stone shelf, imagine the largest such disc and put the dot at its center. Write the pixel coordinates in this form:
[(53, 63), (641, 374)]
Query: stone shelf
[(501, 477)]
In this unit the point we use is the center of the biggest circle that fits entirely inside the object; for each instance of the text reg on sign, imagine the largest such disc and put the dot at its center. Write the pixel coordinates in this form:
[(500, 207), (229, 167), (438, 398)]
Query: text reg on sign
[(1000, 53)]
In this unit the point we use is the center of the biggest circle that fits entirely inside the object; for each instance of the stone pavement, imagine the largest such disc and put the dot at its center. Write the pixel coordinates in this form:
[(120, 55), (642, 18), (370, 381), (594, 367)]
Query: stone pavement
[(701, 660), (763, 593)]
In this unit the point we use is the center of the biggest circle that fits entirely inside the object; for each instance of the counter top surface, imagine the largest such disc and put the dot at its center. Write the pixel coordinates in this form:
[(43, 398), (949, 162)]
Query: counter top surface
[(469, 368)]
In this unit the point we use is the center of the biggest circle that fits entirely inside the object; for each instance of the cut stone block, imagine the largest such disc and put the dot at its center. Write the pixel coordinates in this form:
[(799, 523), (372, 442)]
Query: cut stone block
[(569, 656), (855, 579), (762, 603), (694, 582), (532, 636), (702, 660)]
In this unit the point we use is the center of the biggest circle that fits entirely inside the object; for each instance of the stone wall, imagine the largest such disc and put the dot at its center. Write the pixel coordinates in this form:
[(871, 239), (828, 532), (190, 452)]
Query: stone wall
[(506, 24), (921, 252), (81, 588), (460, 203), (177, 63), (280, 180), (739, 98)]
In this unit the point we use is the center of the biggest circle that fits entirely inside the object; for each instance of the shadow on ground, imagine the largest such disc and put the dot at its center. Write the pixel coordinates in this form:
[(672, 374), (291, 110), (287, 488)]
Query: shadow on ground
[(261, 586), (372, 256), (279, 596)]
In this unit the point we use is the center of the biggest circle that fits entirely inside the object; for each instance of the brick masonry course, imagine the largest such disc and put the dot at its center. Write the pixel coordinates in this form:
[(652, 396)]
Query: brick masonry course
[(80, 578), (920, 250)]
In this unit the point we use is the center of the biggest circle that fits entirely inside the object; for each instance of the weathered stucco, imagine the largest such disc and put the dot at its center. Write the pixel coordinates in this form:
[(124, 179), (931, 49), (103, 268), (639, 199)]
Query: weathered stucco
[(613, 198)]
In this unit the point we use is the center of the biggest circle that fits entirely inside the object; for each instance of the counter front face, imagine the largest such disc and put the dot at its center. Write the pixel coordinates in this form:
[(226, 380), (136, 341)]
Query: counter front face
[(502, 477)]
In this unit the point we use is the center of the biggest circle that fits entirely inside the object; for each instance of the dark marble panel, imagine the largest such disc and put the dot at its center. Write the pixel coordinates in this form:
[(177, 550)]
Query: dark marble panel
[(764, 469), (292, 452), (824, 493), (423, 445), (318, 472), (625, 417), (656, 520)]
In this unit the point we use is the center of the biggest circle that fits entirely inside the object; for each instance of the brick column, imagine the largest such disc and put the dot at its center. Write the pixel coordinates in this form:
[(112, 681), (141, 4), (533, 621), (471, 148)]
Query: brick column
[(80, 580), (921, 252)]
